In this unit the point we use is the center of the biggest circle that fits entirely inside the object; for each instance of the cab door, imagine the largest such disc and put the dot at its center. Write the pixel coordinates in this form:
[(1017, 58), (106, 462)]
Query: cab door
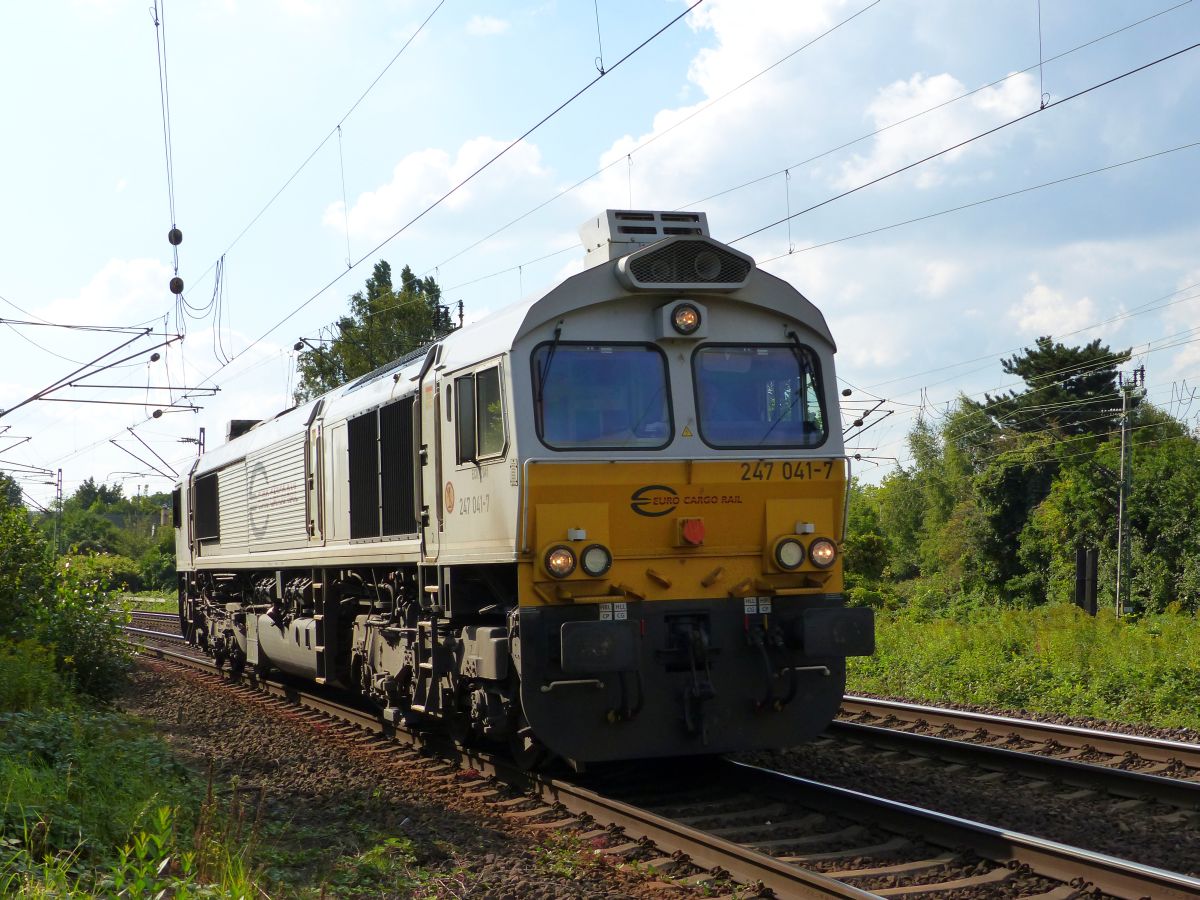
[(314, 476), (430, 458)]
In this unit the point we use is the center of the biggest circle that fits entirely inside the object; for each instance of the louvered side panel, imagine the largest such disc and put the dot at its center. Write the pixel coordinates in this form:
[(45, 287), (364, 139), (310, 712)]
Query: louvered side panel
[(276, 492), (396, 468), (231, 503), (363, 432)]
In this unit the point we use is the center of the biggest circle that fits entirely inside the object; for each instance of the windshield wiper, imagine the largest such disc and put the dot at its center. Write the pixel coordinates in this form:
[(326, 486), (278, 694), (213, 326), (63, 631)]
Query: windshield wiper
[(539, 390), (797, 351)]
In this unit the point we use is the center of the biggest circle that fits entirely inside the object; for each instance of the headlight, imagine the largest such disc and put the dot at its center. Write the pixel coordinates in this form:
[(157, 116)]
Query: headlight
[(822, 552), (560, 561), (789, 554), (595, 560), (685, 318)]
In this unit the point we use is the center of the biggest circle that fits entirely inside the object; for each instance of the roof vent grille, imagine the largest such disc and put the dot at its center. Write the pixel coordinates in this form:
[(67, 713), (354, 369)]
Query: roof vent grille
[(681, 263)]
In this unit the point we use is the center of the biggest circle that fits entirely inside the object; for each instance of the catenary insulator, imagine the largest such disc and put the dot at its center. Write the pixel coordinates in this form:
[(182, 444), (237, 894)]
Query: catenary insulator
[(175, 236), (176, 285)]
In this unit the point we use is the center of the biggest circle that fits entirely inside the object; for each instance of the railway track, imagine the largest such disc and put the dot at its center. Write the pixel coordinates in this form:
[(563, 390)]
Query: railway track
[(1123, 765), (706, 820), (162, 628)]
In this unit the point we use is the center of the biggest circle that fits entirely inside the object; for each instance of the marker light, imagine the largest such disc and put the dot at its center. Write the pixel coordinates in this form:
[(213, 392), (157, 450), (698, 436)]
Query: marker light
[(822, 552), (789, 554), (685, 318), (595, 560), (560, 561)]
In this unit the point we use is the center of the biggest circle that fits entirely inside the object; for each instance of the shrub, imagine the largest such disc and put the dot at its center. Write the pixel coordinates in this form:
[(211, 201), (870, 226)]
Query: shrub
[(108, 571), (25, 571), (84, 628)]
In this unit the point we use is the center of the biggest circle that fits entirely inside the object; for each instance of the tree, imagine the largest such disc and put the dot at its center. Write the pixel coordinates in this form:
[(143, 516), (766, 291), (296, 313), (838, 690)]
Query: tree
[(88, 494), (10, 490), (383, 324), (1070, 390)]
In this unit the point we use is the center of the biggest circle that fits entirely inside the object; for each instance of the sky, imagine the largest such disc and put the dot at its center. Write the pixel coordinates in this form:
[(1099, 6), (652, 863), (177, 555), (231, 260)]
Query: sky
[(306, 136)]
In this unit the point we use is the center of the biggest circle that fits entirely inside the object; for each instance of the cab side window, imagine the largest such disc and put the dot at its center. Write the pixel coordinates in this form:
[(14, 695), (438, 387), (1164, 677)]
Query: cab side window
[(479, 416)]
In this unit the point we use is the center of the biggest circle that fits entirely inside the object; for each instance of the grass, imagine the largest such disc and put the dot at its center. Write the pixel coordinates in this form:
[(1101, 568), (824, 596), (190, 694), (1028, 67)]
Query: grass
[(1053, 659), (150, 601)]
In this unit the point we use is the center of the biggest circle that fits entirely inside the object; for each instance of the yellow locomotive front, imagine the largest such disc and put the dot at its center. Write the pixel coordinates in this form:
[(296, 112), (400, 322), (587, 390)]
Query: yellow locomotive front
[(682, 518)]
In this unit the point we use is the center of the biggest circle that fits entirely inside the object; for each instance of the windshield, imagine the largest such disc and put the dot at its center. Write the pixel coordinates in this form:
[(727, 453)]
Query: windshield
[(601, 396), (759, 396)]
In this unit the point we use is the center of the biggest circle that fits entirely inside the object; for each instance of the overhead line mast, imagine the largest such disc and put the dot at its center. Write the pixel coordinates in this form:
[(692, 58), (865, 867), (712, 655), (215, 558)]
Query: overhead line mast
[(1124, 558)]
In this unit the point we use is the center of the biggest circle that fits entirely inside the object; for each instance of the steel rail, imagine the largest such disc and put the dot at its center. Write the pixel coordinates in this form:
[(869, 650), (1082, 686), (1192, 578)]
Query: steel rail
[(1116, 743), (150, 632), (160, 616), (705, 850), (1073, 865), (1121, 782)]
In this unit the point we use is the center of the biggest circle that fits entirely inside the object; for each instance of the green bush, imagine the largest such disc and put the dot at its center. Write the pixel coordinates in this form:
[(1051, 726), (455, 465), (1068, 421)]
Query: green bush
[(1053, 659), (107, 571), (156, 566), (25, 571), (83, 626)]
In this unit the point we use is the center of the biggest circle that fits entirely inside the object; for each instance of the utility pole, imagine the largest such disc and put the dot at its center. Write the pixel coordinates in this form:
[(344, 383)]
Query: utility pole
[(58, 503), (1124, 558)]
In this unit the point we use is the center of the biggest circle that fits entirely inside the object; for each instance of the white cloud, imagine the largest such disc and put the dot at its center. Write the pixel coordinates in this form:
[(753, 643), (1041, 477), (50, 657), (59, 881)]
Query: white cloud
[(1045, 311), (1183, 314), (484, 26), (940, 277), (422, 177), (751, 34), (122, 291), (121, 185), (956, 122)]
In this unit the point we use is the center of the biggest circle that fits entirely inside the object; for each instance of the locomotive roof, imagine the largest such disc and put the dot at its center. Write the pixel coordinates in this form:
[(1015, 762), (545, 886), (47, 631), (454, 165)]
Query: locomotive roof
[(492, 336)]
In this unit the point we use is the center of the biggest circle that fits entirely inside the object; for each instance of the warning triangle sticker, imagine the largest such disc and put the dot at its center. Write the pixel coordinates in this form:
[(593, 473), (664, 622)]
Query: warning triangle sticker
[(687, 431)]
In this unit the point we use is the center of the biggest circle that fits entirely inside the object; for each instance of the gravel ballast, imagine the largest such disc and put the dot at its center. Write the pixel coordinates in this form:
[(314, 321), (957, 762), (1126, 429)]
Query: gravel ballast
[(331, 806), (1148, 833)]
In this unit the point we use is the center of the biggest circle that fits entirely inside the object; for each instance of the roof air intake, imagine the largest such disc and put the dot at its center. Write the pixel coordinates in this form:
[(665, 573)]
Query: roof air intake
[(680, 263), (617, 232)]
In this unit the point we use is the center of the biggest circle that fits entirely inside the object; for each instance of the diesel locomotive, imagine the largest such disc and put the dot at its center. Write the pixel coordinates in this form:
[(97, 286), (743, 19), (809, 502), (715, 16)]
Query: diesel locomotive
[(604, 523)]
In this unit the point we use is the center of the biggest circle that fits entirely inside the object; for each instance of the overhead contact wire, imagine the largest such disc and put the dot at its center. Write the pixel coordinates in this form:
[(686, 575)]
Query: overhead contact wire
[(468, 179), (970, 140)]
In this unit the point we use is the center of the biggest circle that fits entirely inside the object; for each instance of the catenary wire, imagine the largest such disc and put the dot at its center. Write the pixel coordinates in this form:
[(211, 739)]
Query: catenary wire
[(463, 182), (970, 140), (974, 203), (654, 137), (333, 131)]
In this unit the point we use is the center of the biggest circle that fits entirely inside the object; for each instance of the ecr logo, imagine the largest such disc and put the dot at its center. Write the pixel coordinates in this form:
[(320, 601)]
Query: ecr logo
[(653, 500)]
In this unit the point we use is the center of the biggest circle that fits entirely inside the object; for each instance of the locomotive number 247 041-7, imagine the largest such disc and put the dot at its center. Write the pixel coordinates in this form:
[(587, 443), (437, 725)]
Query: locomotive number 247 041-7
[(787, 470)]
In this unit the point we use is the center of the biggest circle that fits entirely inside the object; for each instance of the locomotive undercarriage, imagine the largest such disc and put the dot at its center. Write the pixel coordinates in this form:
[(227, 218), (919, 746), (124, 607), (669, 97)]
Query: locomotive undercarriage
[(592, 681), (415, 648)]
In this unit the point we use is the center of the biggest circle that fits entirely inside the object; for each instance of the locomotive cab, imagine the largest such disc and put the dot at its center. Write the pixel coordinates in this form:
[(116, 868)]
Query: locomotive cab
[(683, 504)]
